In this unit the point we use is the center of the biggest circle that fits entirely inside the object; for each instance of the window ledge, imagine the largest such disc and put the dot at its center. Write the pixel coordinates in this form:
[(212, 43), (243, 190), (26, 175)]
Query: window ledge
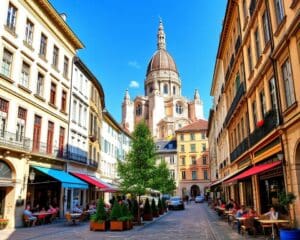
[(40, 97), (290, 109), (43, 57), (64, 112), (26, 89), (11, 31), (8, 79), (52, 105), (280, 26), (55, 68), (26, 44)]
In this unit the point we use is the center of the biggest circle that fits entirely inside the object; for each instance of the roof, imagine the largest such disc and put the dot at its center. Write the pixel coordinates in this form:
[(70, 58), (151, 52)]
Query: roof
[(165, 146), (195, 126)]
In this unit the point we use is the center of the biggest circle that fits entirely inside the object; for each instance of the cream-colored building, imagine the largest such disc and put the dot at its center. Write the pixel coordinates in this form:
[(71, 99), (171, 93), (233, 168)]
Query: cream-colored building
[(193, 159), (36, 52), (259, 54)]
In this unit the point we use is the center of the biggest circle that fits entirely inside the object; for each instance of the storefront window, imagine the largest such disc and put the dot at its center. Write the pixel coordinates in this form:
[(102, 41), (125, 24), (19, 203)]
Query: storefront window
[(248, 193)]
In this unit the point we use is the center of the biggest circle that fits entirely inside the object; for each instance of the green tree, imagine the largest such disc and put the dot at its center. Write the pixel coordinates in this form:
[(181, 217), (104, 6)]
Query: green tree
[(100, 214), (162, 179), (136, 172)]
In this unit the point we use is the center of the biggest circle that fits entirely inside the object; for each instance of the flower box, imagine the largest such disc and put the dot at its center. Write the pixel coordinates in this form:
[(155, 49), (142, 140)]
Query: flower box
[(3, 223), (147, 217), (96, 226), (117, 225)]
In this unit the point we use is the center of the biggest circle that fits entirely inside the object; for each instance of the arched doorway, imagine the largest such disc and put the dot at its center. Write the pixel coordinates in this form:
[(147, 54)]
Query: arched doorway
[(6, 183), (195, 191)]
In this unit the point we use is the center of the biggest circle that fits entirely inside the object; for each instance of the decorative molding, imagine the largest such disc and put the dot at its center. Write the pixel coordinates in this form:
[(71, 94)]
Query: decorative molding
[(9, 42)]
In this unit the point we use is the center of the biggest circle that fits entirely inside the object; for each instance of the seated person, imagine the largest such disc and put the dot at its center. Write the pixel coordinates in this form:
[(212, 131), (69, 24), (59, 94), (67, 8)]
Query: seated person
[(29, 215), (273, 215), (37, 208), (51, 209), (252, 213), (92, 206), (242, 211), (77, 209), (43, 210)]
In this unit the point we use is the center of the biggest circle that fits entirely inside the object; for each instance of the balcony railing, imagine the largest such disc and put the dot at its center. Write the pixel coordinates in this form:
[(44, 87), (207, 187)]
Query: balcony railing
[(93, 163), (239, 150), (239, 94), (269, 123), (77, 157), (44, 149), (15, 141), (237, 44)]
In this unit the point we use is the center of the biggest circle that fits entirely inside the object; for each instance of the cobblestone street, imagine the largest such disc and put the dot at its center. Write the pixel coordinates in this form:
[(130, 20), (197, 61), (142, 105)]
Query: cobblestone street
[(196, 222)]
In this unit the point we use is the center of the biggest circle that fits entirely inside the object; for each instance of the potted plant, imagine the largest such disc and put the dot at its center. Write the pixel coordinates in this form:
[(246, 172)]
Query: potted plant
[(285, 200), (126, 217), (98, 220), (164, 205), (160, 207), (147, 214), (116, 223), (134, 211), (3, 223), (154, 208)]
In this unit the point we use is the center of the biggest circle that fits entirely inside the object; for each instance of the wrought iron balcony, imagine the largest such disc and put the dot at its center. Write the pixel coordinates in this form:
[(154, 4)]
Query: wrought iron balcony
[(237, 44), (93, 163), (239, 150), (269, 123), (77, 157), (239, 94), (14, 141), (47, 150)]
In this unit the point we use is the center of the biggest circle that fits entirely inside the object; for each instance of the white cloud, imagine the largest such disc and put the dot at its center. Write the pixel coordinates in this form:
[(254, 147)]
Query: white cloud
[(134, 64), (134, 84)]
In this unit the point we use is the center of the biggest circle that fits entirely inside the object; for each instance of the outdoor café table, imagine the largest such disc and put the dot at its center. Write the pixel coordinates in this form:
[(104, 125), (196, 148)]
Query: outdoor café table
[(273, 221), (41, 216)]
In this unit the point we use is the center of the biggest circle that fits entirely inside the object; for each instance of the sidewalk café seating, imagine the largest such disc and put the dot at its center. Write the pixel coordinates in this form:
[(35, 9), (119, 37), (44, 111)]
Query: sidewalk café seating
[(265, 226), (233, 222), (27, 221), (71, 220), (248, 225), (284, 225)]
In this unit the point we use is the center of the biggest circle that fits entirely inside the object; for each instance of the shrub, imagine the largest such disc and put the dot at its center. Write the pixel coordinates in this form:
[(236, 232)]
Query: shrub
[(160, 206), (153, 206), (100, 214), (126, 215), (135, 208), (116, 212), (147, 208)]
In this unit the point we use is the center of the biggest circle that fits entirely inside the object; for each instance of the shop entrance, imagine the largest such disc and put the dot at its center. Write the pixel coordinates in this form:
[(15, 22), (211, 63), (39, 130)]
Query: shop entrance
[(2, 201), (195, 191)]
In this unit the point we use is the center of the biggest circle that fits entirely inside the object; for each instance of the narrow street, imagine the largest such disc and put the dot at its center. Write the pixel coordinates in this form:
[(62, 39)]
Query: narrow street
[(197, 221)]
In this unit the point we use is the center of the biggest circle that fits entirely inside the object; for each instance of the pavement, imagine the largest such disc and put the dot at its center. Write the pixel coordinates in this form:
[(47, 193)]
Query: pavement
[(197, 221)]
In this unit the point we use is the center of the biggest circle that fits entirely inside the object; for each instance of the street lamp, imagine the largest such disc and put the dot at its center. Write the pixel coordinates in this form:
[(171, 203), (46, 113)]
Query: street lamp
[(31, 175)]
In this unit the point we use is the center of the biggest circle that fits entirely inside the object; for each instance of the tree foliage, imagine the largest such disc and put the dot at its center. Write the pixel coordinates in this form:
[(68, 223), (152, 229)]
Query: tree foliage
[(100, 214), (136, 172)]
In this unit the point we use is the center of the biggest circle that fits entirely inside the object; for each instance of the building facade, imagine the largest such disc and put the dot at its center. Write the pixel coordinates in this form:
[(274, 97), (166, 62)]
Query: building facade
[(193, 159), (259, 51), (36, 52), (163, 107)]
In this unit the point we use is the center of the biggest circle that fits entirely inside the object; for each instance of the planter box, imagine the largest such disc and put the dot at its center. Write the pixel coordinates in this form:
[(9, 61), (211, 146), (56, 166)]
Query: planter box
[(289, 234), (161, 212), (128, 225), (155, 214), (117, 226), (95, 226), (148, 217)]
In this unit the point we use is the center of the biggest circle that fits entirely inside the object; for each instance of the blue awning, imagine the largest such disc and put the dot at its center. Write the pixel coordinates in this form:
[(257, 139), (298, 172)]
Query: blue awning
[(67, 180)]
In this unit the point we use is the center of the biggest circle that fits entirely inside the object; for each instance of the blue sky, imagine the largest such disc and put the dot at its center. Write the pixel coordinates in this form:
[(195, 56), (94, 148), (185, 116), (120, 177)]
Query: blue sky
[(120, 38)]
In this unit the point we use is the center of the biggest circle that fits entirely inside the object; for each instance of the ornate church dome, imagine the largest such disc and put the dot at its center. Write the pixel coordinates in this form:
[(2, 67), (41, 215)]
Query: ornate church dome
[(161, 60)]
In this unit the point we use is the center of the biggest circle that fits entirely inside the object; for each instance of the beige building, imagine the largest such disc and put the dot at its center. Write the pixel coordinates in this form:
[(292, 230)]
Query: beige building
[(193, 159), (259, 54), (36, 52)]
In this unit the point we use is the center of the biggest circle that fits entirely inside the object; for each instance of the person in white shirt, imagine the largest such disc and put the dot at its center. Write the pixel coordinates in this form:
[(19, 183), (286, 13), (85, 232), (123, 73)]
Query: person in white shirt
[(76, 209), (272, 214)]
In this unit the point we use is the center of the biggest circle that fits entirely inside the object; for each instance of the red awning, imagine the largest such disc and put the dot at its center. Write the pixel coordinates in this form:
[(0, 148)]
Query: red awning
[(254, 170), (93, 181)]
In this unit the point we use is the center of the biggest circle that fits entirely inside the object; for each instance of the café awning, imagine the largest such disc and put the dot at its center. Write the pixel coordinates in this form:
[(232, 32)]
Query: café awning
[(254, 170), (67, 180), (95, 182)]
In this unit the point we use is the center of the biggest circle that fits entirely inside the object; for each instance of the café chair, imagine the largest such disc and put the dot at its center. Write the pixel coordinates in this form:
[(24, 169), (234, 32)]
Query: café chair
[(248, 226), (265, 226)]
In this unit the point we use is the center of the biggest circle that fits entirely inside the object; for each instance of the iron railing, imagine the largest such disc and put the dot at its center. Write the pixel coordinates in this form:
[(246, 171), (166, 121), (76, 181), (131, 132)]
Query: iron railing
[(239, 150), (14, 140)]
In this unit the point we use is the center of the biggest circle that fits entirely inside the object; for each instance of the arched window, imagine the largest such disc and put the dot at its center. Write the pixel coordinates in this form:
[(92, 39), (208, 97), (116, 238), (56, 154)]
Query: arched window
[(179, 108), (139, 110), (174, 90), (165, 88), (5, 170)]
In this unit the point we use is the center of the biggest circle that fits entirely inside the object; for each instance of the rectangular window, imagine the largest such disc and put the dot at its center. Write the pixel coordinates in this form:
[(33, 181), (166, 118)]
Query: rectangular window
[(266, 27), (80, 115), (193, 160), (50, 137), (29, 32), (202, 135), (63, 101), (171, 159), (11, 17), (194, 175), (24, 79), (288, 83), (279, 11), (192, 136), (21, 123), (43, 46), (257, 44), (182, 148), (272, 90), (36, 133), (52, 93), (3, 116), (204, 160), (193, 147), (205, 174), (254, 113), (61, 141), (172, 173), (74, 108), (6, 63), (203, 147), (66, 67), (263, 103), (242, 128), (249, 59), (55, 56), (182, 160), (40, 85), (183, 175), (181, 137)]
